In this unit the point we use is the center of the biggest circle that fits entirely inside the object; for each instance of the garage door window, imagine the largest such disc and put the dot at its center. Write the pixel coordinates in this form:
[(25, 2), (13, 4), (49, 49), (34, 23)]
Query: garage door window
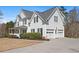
[(49, 31), (60, 31)]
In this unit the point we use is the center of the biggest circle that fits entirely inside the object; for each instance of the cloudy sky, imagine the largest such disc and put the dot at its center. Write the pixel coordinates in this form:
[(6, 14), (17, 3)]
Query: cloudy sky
[(10, 12)]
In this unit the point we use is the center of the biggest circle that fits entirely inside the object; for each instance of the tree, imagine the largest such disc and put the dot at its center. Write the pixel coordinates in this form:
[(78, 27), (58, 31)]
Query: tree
[(9, 25), (2, 30), (63, 10), (73, 15), (72, 27)]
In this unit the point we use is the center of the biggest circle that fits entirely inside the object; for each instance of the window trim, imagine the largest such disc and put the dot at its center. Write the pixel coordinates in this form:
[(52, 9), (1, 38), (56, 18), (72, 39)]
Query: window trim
[(49, 29)]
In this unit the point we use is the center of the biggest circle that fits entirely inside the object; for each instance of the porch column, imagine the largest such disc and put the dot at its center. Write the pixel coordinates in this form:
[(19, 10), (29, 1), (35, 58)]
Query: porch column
[(19, 31)]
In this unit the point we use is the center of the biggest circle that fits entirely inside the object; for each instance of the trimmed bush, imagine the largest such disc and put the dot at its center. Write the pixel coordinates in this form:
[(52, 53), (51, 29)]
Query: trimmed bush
[(30, 36)]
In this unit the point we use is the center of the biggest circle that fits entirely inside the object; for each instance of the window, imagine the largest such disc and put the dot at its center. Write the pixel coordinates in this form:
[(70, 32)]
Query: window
[(32, 30), (18, 23), (24, 31), (35, 19), (16, 31), (25, 22), (38, 30), (56, 18), (60, 31), (49, 31)]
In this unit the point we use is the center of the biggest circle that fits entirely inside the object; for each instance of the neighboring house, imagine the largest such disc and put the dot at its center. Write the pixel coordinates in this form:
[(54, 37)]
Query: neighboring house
[(49, 23)]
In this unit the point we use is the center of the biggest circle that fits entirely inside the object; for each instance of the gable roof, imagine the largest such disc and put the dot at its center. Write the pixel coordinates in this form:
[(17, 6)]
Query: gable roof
[(27, 13), (45, 15)]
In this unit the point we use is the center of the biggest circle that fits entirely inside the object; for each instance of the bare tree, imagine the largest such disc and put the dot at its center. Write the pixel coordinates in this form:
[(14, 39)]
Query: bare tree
[(72, 27), (2, 30), (73, 15)]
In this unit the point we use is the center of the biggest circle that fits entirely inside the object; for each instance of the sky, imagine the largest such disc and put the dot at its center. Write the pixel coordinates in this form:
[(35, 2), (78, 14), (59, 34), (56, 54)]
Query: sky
[(10, 12)]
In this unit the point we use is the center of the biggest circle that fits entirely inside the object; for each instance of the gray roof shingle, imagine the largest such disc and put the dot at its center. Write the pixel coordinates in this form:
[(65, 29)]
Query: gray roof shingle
[(46, 13), (27, 13)]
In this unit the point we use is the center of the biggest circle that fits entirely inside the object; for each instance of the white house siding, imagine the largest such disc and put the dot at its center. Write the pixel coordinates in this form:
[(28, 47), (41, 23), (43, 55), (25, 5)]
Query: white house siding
[(17, 21), (36, 25), (20, 23), (54, 25)]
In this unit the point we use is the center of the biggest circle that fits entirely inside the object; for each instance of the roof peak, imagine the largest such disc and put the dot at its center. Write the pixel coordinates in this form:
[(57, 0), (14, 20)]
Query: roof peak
[(26, 10)]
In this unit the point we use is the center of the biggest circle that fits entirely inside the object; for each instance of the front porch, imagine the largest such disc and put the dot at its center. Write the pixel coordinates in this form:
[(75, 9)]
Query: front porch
[(17, 30)]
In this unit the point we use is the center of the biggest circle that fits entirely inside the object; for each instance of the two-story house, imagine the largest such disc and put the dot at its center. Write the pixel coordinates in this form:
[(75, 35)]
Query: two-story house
[(49, 23)]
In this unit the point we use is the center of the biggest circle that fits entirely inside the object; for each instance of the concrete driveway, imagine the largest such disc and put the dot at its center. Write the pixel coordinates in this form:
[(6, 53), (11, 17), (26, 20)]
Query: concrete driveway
[(62, 45)]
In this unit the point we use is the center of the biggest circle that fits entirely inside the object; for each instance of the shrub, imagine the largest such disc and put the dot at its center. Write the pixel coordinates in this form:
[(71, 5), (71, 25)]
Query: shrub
[(30, 36)]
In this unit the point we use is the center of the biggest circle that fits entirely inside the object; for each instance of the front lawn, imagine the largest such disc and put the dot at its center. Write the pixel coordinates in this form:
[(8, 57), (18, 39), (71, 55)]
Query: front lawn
[(10, 43)]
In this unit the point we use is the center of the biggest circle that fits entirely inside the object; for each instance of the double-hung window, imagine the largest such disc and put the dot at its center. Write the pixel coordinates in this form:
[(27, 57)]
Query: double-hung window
[(32, 30), (36, 19), (55, 18)]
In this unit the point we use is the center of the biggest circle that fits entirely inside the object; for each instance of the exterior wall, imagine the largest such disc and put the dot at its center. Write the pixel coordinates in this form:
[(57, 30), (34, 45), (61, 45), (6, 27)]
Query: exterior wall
[(17, 21), (20, 22), (23, 24), (55, 25), (36, 25), (52, 25), (27, 23)]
